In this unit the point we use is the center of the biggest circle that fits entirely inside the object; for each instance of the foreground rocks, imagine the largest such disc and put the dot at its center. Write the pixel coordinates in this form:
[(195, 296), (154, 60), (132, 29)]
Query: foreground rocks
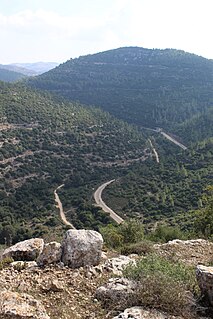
[(117, 264), (117, 291), (65, 293), (82, 248), (19, 306), (140, 313), (26, 250), (205, 281), (51, 254)]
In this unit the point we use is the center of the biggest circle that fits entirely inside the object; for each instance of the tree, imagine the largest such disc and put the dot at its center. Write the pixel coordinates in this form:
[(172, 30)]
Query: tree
[(204, 221)]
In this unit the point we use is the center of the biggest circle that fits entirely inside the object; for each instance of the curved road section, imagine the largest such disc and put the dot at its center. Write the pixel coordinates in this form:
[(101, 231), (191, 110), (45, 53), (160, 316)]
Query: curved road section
[(60, 207), (99, 201)]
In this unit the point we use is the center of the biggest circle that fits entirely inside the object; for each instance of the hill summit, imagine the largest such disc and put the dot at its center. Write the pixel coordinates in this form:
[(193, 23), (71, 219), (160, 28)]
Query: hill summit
[(146, 87)]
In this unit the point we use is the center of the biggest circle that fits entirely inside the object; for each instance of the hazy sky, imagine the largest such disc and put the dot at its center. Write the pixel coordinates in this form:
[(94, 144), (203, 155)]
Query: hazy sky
[(57, 30)]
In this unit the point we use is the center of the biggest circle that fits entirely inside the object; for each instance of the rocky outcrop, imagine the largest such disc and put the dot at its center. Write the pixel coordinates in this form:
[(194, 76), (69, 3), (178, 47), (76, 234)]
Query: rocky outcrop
[(116, 265), (20, 306), (25, 250), (116, 291), (140, 313), (191, 252), (205, 281), (51, 254), (81, 248)]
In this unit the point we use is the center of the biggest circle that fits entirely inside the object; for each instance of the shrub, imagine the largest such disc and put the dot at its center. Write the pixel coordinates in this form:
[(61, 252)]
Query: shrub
[(5, 262), (141, 248), (165, 233), (163, 284), (111, 236), (128, 232)]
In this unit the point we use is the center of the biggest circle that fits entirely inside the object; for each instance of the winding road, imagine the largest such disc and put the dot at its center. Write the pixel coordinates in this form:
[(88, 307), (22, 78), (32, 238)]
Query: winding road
[(99, 202), (60, 207)]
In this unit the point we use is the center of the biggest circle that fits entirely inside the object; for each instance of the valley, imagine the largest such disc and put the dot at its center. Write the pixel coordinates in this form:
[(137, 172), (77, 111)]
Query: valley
[(113, 132)]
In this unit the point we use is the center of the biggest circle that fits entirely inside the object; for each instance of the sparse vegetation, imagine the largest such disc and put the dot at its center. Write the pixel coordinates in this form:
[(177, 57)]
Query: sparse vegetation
[(164, 285)]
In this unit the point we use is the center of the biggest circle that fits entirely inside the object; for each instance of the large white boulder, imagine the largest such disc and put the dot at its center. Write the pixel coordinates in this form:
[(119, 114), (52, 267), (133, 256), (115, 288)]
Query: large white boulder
[(51, 254), (25, 250), (81, 248), (20, 306), (205, 281)]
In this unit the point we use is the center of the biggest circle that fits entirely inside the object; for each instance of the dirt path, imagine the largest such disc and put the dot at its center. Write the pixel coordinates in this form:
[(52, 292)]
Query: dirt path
[(101, 203), (154, 151), (60, 207)]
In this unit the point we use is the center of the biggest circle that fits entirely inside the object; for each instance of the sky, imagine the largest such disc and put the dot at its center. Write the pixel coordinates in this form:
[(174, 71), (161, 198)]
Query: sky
[(57, 30)]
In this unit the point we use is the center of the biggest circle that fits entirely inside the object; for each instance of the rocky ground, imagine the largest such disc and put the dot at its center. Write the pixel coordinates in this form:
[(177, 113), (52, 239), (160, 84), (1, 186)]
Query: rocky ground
[(64, 292), (28, 290)]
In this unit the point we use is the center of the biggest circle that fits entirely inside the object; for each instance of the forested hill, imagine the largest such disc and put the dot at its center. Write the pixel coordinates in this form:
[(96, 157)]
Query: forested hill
[(142, 86), (198, 128), (45, 143), (10, 76)]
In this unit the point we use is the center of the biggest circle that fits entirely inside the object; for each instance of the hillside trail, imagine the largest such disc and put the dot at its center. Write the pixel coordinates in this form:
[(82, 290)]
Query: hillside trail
[(154, 151), (100, 203), (60, 207)]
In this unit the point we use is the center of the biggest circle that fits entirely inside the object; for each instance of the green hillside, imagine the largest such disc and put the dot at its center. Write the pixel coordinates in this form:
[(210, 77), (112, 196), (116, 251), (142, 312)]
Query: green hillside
[(45, 143), (165, 191), (10, 76), (142, 86), (197, 128)]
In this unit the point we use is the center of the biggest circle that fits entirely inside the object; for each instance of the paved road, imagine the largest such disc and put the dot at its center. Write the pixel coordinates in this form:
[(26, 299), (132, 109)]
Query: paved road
[(173, 140), (60, 207), (105, 208)]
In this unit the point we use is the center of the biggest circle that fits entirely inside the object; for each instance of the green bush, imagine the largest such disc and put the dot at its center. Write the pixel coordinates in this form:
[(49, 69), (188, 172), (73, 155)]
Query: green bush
[(141, 248), (130, 231), (5, 262), (166, 233), (163, 284)]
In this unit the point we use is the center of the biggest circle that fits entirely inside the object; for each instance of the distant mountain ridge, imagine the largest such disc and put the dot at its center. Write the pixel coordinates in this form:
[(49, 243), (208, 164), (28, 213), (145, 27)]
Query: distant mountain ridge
[(29, 69), (146, 87), (37, 67), (9, 75)]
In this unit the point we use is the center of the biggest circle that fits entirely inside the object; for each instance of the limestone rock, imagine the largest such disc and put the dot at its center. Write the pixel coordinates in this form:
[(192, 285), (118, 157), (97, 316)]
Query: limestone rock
[(20, 306), (191, 252), (205, 281), (51, 254), (117, 264), (117, 290), (81, 248), (140, 313), (53, 285), (25, 250)]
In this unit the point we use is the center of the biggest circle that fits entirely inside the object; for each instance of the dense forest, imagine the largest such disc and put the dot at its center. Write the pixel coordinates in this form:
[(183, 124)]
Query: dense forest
[(45, 143), (146, 87)]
